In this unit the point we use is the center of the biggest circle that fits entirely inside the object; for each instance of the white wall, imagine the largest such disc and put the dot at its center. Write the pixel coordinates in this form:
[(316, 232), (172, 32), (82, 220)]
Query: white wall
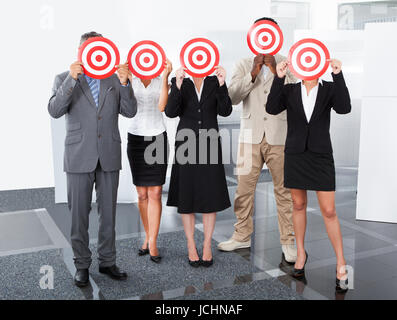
[(378, 148), (40, 39)]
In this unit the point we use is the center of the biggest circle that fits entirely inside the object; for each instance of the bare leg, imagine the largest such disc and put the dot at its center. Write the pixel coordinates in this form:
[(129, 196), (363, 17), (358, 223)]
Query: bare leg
[(154, 217), (189, 221), (143, 206), (209, 220), (299, 198), (327, 206)]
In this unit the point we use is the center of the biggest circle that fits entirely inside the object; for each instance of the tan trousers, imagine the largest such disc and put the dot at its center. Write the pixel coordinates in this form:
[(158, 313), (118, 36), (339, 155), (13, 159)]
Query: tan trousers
[(273, 156)]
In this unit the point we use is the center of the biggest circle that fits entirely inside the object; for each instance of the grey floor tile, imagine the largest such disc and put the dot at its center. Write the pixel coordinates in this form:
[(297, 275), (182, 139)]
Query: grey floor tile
[(372, 270), (362, 242), (18, 200), (389, 259), (385, 289), (272, 256), (173, 272), (22, 230), (266, 240), (375, 276), (20, 277), (322, 249)]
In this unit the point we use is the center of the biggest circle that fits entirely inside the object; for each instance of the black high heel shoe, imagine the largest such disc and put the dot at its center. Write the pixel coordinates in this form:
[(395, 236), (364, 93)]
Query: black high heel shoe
[(143, 252), (195, 264), (156, 259), (300, 273), (341, 285), (207, 263)]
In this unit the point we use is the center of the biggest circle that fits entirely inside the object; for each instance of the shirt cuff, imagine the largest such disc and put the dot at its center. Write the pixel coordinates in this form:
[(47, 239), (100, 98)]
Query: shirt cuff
[(279, 80), (337, 76), (70, 83), (223, 89), (126, 85)]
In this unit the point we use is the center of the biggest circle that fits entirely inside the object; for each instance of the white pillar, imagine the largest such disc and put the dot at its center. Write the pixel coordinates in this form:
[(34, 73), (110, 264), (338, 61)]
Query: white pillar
[(378, 142)]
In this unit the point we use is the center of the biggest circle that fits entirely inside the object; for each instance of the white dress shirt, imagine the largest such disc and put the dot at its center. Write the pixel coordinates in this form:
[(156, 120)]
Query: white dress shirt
[(149, 120), (201, 89), (309, 101), (265, 71)]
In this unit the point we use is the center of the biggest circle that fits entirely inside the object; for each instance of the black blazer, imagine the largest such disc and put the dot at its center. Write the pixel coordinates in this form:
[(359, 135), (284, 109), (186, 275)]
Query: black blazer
[(197, 115), (313, 135)]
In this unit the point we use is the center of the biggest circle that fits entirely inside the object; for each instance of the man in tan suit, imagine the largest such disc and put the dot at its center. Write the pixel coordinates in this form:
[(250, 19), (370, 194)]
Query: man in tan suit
[(262, 139)]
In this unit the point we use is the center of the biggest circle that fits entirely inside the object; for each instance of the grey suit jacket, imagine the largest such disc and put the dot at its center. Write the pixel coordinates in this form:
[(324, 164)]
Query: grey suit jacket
[(92, 132)]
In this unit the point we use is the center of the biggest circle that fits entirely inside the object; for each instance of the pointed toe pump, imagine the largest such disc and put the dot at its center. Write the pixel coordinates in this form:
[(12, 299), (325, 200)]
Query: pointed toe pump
[(300, 273)]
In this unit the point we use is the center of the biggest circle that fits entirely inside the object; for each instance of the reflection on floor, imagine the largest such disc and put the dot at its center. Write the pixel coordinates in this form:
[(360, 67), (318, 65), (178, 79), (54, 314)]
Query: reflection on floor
[(31, 239)]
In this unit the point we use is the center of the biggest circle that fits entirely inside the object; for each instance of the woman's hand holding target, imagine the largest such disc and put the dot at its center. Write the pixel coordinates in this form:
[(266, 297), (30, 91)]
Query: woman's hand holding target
[(282, 68), (168, 68), (336, 66), (123, 73), (221, 75), (180, 74)]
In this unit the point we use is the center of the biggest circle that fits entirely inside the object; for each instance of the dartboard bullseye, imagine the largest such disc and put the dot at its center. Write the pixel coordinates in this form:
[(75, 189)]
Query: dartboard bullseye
[(265, 37), (100, 57), (200, 57), (309, 59), (146, 59)]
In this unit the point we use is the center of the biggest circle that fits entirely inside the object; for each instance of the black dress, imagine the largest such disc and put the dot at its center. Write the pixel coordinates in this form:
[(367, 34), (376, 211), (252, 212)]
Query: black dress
[(309, 162), (146, 174), (198, 181)]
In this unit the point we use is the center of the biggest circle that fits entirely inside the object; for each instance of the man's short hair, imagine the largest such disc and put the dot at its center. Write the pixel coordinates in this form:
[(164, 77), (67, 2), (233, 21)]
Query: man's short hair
[(266, 18), (89, 35)]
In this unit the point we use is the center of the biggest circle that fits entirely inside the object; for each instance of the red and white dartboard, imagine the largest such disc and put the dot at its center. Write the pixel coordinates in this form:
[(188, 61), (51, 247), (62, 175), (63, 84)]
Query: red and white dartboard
[(308, 59), (146, 59), (100, 57), (200, 57), (265, 37)]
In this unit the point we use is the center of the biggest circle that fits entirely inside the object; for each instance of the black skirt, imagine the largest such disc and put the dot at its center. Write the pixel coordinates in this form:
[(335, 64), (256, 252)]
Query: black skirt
[(153, 172), (309, 171), (199, 186)]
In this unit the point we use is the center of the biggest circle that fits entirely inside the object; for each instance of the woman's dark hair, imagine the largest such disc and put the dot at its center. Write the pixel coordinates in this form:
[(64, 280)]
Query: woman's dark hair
[(268, 19)]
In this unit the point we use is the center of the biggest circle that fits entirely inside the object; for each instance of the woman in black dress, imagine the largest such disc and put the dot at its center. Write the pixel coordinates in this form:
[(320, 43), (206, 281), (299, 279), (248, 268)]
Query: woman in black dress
[(198, 181), (309, 163)]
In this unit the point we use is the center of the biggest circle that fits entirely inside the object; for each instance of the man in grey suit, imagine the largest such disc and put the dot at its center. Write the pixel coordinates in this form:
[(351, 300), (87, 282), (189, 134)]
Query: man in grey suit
[(92, 156)]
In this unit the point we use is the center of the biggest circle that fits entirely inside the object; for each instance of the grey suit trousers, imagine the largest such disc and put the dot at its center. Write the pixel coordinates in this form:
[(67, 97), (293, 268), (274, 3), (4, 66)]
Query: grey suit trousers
[(80, 188)]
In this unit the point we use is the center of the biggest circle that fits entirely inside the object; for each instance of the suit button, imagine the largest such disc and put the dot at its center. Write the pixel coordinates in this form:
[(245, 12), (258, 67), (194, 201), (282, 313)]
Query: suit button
[(265, 118), (99, 118), (199, 110), (99, 136), (199, 122)]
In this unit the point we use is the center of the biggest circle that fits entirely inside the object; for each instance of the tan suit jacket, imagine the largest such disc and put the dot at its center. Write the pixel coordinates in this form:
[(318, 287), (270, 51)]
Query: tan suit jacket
[(255, 121)]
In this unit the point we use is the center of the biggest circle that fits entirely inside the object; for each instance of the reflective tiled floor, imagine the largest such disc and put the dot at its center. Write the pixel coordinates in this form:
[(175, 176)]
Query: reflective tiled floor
[(31, 239)]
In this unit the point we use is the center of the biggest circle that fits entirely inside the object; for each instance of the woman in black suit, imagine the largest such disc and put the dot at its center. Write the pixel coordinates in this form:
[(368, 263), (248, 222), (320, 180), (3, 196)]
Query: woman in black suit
[(198, 181), (309, 163)]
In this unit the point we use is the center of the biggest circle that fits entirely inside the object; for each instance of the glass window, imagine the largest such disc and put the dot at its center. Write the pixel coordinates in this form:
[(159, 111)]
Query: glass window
[(354, 16), (290, 16)]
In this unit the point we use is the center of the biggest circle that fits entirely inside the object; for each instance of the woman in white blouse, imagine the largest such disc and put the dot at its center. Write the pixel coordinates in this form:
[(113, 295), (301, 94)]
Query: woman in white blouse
[(147, 132)]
